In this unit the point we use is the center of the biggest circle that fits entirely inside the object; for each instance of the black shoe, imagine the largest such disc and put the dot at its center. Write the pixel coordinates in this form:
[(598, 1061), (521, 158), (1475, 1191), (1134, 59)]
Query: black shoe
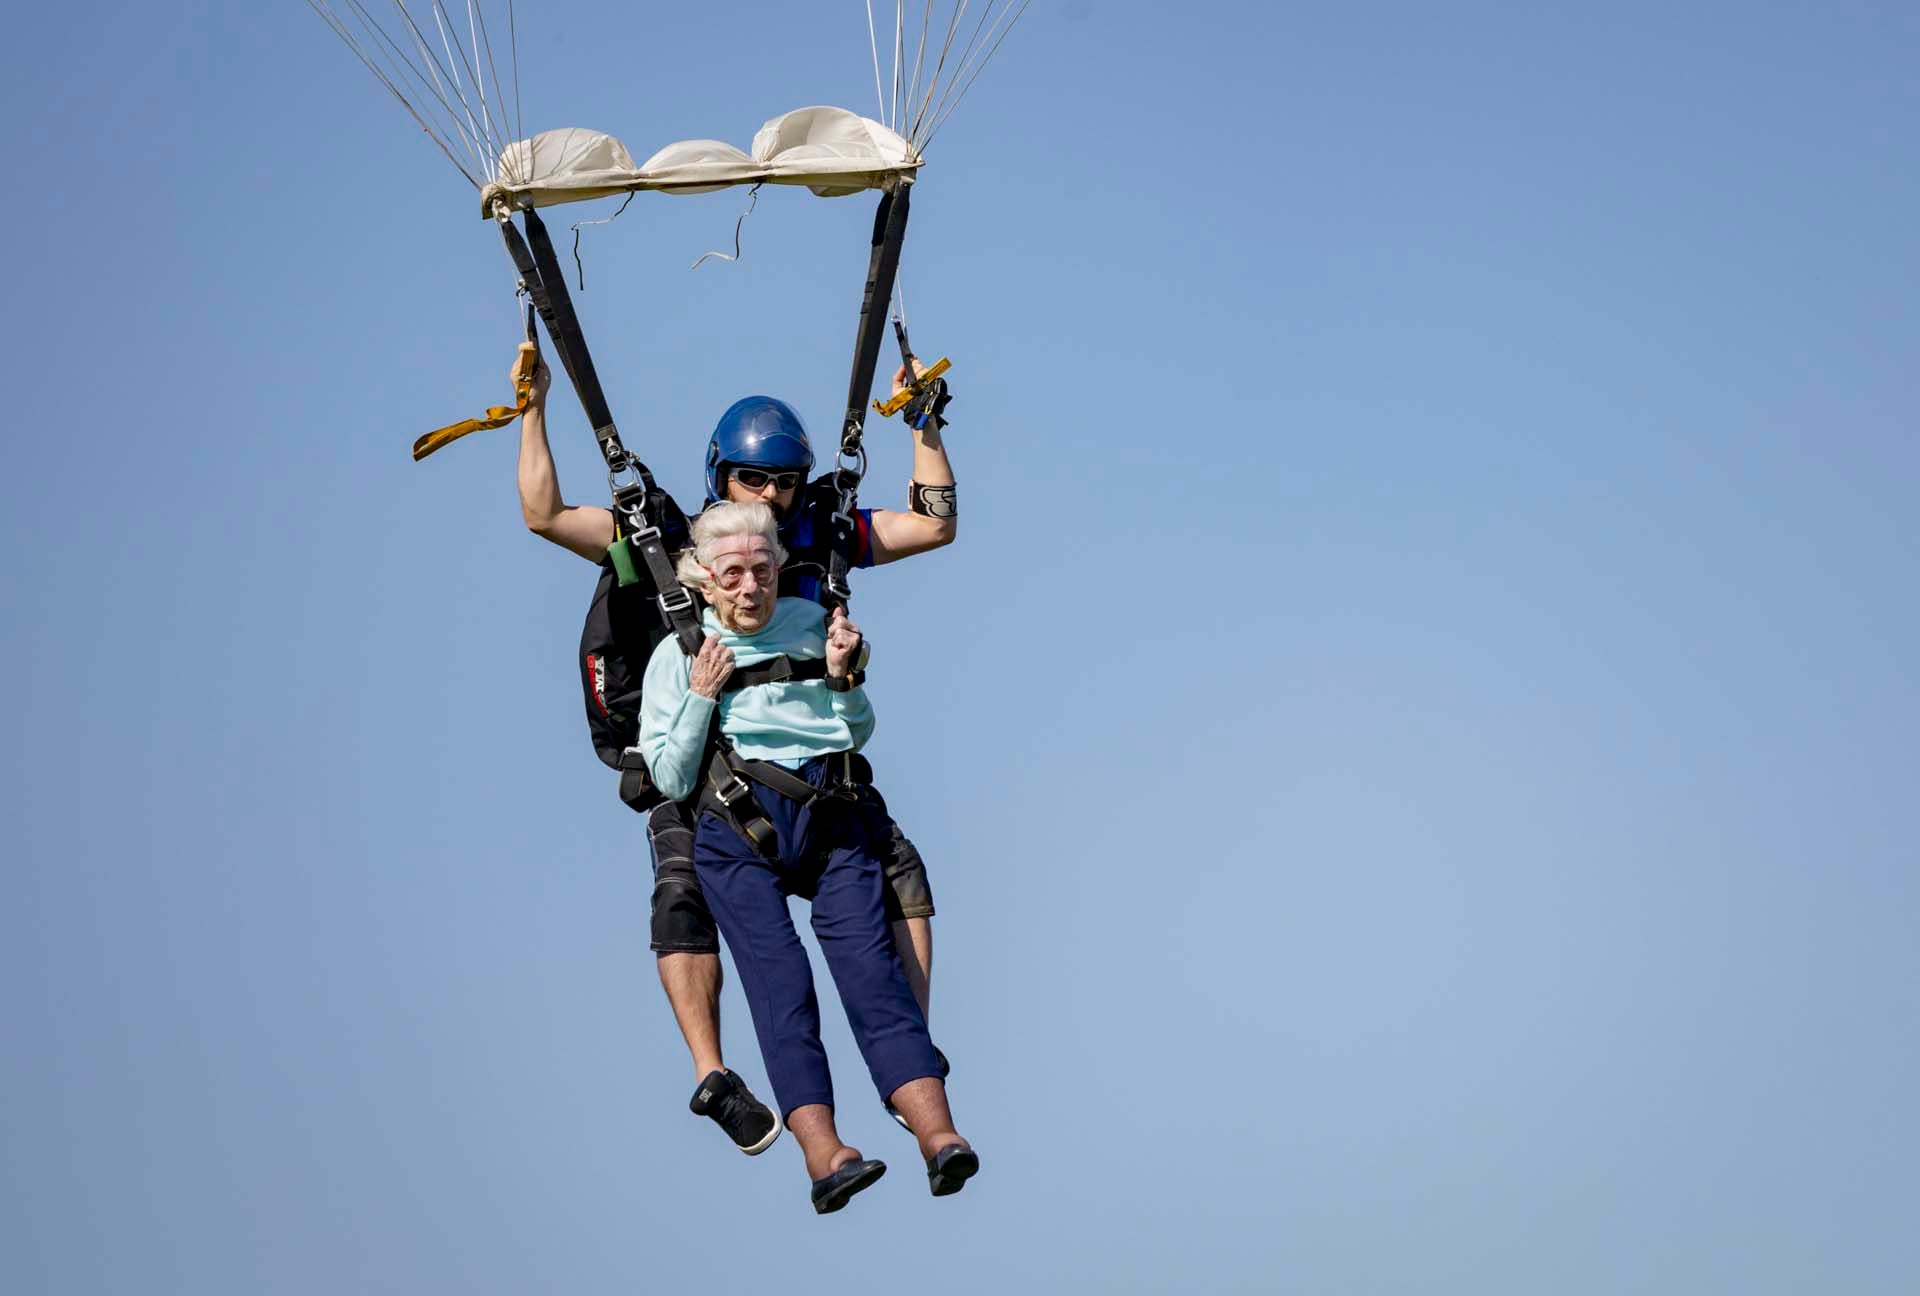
[(949, 1169), (725, 1098), (945, 1071), (838, 1188)]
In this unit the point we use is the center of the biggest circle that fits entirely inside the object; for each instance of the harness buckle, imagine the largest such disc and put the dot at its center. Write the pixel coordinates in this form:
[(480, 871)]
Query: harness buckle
[(631, 498), (736, 788), (845, 787), (625, 466), (675, 601)]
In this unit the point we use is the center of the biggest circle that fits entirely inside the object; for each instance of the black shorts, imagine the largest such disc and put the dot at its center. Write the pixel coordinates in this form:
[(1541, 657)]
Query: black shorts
[(682, 923)]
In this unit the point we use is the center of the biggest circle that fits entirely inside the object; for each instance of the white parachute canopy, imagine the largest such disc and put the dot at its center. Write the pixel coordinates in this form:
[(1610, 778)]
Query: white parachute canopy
[(456, 71), (831, 151)]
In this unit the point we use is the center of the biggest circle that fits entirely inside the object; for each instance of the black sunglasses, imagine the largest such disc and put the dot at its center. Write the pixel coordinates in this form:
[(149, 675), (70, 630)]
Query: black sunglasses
[(756, 478)]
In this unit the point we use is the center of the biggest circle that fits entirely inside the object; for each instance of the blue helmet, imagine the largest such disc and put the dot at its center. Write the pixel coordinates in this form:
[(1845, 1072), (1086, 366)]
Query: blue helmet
[(760, 432)]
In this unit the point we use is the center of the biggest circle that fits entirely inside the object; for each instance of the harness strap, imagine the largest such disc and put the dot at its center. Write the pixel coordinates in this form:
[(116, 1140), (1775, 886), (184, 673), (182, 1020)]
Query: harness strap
[(729, 794), (637, 787), (636, 783), (775, 670)]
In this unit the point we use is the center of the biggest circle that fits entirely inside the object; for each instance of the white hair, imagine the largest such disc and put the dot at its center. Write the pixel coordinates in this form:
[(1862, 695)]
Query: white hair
[(726, 521)]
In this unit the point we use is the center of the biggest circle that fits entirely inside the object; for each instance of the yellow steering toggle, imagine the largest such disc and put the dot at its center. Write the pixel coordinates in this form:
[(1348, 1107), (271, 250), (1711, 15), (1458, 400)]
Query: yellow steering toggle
[(888, 408)]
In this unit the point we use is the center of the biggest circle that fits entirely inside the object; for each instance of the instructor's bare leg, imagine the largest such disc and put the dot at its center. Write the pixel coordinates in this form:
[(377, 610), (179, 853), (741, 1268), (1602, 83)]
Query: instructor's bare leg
[(692, 983), (913, 937)]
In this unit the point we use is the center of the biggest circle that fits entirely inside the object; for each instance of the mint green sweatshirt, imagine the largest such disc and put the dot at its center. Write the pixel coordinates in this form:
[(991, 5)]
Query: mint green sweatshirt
[(788, 723)]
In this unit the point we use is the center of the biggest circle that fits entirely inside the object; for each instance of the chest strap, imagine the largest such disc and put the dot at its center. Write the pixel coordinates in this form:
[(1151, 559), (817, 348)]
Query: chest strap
[(785, 670), (775, 670)]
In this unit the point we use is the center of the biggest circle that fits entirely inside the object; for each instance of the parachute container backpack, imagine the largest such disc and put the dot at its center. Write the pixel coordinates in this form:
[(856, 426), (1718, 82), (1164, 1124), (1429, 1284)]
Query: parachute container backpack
[(622, 629), (462, 89)]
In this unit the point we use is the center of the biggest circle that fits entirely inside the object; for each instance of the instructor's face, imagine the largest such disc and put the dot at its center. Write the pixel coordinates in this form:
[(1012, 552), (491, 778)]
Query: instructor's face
[(743, 582)]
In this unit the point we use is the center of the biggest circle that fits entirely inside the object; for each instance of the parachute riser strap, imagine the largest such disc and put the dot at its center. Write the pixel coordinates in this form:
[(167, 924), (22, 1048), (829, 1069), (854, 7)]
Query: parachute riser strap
[(546, 285), (535, 288), (564, 324), (883, 267), (627, 478)]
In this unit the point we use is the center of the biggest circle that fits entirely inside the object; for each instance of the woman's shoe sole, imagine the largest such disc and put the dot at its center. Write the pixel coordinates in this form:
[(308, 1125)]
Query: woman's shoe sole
[(947, 1175), (843, 1192)]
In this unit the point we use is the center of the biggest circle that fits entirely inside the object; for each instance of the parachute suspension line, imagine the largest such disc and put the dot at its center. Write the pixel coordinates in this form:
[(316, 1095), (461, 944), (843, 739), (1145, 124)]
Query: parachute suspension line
[(481, 128), (513, 47), (931, 110), (430, 81), (978, 68), (578, 268), (443, 85), (919, 62), (339, 29), (899, 18), (933, 82), (390, 77), (444, 82), (753, 197), (873, 44), (486, 41), (434, 78), (479, 82)]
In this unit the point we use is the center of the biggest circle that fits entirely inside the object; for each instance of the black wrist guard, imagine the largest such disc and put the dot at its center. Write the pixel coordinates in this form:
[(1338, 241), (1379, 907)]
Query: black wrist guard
[(929, 406), (933, 501)]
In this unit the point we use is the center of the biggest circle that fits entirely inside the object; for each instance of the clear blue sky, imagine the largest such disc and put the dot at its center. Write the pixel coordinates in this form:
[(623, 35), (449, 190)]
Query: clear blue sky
[(1415, 743)]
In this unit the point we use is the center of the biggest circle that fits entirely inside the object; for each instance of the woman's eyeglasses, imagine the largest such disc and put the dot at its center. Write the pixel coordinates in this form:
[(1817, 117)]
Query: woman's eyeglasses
[(757, 478), (730, 575)]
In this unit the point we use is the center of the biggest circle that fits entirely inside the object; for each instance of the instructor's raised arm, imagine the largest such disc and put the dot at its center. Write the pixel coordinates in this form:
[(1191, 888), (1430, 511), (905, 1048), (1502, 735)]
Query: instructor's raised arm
[(932, 520), (583, 529)]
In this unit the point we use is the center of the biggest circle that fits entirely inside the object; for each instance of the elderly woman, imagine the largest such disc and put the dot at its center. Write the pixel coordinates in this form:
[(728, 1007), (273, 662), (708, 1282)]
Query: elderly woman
[(789, 827)]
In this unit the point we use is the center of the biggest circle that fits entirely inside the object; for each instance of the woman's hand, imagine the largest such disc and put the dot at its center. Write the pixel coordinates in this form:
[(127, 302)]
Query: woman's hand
[(711, 666), (843, 643)]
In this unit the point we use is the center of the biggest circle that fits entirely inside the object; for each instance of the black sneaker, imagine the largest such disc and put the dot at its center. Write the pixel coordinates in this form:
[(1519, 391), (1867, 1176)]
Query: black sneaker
[(725, 1098), (945, 1071)]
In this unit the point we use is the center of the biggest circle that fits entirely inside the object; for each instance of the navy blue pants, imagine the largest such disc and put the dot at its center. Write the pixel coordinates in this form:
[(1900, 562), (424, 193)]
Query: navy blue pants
[(834, 854)]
